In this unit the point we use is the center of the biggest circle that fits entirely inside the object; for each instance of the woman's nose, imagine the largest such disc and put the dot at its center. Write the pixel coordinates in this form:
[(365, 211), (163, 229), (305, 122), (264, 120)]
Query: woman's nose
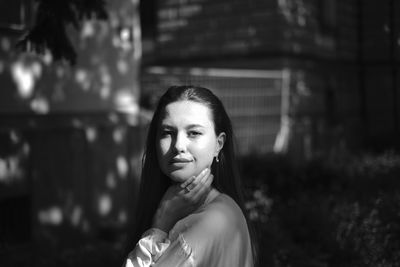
[(180, 142)]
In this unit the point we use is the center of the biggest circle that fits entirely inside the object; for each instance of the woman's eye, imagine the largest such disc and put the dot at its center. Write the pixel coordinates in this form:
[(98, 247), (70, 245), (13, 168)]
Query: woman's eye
[(194, 133), (166, 132)]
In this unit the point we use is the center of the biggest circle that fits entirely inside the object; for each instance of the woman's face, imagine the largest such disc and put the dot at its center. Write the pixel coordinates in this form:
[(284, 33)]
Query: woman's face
[(186, 140)]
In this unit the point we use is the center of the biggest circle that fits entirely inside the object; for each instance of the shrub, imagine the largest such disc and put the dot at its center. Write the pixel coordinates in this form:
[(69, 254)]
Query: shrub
[(336, 211)]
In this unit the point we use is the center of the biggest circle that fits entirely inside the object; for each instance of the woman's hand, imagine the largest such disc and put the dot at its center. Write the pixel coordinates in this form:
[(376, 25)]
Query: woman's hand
[(182, 199)]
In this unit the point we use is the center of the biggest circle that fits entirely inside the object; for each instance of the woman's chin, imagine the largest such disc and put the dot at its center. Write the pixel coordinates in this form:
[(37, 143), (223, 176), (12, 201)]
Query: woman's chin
[(179, 176)]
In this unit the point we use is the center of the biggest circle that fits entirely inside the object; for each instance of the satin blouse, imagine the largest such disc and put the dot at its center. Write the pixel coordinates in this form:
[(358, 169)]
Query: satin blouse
[(216, 235)]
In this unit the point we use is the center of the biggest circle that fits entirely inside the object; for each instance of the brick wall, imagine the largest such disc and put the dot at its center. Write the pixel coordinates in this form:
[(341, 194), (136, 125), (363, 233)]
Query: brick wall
[(210, 28)]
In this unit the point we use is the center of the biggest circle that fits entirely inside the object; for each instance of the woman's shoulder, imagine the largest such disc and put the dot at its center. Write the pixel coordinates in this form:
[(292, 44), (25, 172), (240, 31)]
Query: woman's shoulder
[(222, 215)]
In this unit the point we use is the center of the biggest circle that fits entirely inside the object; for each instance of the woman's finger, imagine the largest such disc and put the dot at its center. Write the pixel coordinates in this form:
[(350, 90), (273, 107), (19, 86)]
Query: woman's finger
[(206, 183), (202, 193), (194, 184), (187, 182)]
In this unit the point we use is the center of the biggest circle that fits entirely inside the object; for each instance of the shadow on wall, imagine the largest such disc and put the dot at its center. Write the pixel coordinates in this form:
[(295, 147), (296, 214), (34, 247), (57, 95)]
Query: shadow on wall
[(70, 144), (67, 186)]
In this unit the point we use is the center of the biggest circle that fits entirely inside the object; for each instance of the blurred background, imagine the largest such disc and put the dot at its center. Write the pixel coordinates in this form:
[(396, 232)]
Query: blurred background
[(312, 88)]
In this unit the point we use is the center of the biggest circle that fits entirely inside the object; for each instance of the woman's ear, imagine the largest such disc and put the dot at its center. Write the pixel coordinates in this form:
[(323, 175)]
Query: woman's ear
[(220, 142)]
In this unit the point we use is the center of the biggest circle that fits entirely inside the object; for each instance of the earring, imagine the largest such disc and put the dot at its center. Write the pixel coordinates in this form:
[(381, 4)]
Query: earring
[(216, 158)]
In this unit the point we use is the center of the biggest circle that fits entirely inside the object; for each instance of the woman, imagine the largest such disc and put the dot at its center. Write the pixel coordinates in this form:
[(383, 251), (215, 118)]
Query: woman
[(190, 207)]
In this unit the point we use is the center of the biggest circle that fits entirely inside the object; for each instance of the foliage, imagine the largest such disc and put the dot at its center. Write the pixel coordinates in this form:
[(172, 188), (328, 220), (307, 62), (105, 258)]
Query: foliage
[(52, 20), (341, 210)]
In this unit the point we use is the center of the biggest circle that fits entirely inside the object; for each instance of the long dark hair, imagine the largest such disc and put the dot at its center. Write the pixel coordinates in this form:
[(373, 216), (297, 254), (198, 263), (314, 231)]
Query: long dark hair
[(154, 183)]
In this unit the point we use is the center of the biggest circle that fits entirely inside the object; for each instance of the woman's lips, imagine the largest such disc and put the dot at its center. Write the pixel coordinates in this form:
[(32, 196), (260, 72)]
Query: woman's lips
[(180, 161)]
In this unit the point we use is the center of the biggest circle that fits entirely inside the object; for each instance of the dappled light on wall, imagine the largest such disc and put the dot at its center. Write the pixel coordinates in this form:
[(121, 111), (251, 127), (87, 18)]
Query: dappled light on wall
[(294, 11), (13, 154), (40, 105), (111, 180), (71, 165), (76, 216), (119, 134), (25, 76), (104, 204), (10, 170), (52, 216), (126, 102), (122, 167), (91, 134), (122, 217), (82, 78), (108, 59)]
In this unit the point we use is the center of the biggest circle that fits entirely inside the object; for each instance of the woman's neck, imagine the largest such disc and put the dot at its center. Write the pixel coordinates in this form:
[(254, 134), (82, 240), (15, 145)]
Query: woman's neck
[(212, 194)]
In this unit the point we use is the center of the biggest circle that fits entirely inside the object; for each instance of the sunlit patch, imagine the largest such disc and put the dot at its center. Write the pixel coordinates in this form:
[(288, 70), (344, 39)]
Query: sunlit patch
[(122, 217), (126, 101), (105, 92), (25, 77), (60, 72), (122, 166), (40, 105), (110, 180), (282, 139), (36, 69), (26, 149), (112, 117), (124, 37), (105, 76), (294, 11), (118, 135), (87, 29), (47, 57), (104, 204), (10, 169), (125, 34), (82, 78), (3, 171), (76, 215), (77, 123), (386, 28), (5, 44), (137, 39), (52, 215), (122, 66), (116, 41), (15, 137), (91, 134)]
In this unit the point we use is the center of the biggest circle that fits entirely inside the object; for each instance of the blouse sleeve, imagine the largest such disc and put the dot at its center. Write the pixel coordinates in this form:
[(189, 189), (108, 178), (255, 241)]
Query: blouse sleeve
[(149, 248), (155, 249)]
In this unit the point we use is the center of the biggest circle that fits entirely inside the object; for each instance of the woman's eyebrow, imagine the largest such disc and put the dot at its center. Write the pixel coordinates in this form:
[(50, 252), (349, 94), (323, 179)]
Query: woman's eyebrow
[(166, 126), (190, 126)]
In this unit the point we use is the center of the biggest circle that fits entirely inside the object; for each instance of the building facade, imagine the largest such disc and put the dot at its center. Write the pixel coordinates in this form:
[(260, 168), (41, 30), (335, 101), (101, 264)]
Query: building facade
[(340, 59)]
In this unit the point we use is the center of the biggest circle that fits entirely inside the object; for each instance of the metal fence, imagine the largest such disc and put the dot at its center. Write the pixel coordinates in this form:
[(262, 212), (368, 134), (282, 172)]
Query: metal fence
[(256, 100)]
